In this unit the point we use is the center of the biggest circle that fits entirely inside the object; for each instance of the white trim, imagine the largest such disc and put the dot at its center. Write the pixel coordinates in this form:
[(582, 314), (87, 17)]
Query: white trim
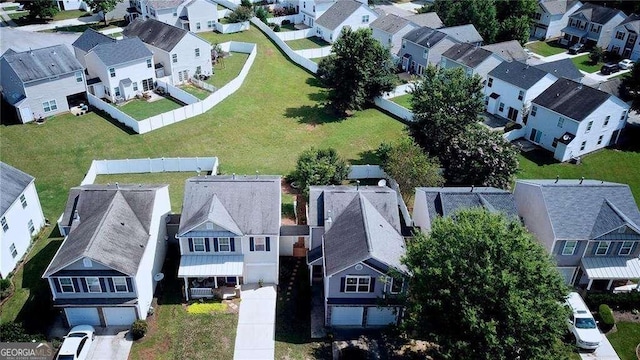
[(622, 246), (86, 281), (62, 287), (606, 250), (391, 285), (228, 244), (575, 246), (261, 264), (357, 284), (115, 286), (204, 246), (264, 243)]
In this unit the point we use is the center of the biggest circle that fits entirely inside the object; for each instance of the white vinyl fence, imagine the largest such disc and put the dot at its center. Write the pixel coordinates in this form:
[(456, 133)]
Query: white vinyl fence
[(114, 112), (514, 134), (399, 91), (178, 93), (314, 53), (232, 28), (201, 84), (393, 108), (294, 19), (295, 35)]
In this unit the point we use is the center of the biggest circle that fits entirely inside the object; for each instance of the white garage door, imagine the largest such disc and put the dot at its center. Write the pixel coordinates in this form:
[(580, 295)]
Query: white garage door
[(346, 316), (380, 316), (82, 316), (119, 316)]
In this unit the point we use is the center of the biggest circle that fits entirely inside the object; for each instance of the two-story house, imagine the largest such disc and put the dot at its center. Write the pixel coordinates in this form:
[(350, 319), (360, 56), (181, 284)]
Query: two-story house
[(389, 30), (21, 216), (181, 53), (564, 68), (571, 119), (229, 232), (343, 13), (508, 50), (105, 271), (472, 59), (590, 227), (511, 86), (41, 82), (551, 16), (430, 19), (356, 245), (191, 15), (624, 39), (592, 25), (311, 10)]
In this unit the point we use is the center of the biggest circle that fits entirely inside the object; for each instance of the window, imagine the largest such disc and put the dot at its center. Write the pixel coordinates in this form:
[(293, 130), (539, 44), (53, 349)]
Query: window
[(594, 28), (135, 86), (66, 285), (603, 247), (521, 95), (534, 110), (198, 69), (569, 247), (197, 52), (365, 19), (198, 244), (120, 284), (589, 125), (490, 82), (600, 139), (149, 64), (606, 121), (501, 107), (583, 145), (396, 285), (116, 91), (23, 201), (49, 106), (31, 227), (560, 122), (13, 250), (357, 284), (147, 84), (625, 248), (78, 76), (623, 116), (486, 100), (537, 16), (425, 53), (93, 284), (112, 72), (198, 27), (314, 8), (259, 244), (224, 244), (5, 226), (619, 35), (210, 24), (174, 58), (554, 143)]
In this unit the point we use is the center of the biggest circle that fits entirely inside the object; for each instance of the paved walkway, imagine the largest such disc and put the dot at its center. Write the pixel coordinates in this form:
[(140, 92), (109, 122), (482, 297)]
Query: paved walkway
[(255, 337), (604, 352), (317, 311), (62, 23)]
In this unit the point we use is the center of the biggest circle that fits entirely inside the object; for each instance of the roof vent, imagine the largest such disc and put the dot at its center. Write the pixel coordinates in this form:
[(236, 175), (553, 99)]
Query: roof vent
[(117, 185), (76, 216), (257, 172), (357, 185)]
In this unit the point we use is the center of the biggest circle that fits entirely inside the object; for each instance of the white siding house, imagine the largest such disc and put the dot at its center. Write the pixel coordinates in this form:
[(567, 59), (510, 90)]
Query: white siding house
[(624, 39), (344, 13), (551, 16), (21, 216), (472, 59), (390, 29), (592, 24)]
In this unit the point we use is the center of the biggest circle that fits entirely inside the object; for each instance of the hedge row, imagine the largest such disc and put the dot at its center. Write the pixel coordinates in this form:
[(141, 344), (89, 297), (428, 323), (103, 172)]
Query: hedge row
[(621, 301)]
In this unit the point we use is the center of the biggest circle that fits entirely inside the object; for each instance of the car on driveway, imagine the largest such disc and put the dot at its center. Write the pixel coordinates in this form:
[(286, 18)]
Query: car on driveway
[(625, 64), (576, 48), (608, 69), (77, 343), (581, 323)]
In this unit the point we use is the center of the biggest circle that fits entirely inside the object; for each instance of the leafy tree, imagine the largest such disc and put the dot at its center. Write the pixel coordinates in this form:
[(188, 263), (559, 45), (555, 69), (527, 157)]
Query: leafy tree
[(515, 18), (359, 69), (596, 55), (246, 3), (319, 167), (482, 285), (480, 13), (479, 156), (102, 5), (443, 104), (631, 87), (406, 163), (240, 14), (44, 9), (14, 332), (262, 14)]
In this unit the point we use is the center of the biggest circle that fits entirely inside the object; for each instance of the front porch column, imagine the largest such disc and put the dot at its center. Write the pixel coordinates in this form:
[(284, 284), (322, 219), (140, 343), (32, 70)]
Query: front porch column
[(186, 288), (310, 275), (609, 284), (215, 282), (589, 286)]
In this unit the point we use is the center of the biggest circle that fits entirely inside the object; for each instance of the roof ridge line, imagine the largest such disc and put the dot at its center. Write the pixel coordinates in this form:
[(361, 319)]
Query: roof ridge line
[(95, 230), (133, 211)]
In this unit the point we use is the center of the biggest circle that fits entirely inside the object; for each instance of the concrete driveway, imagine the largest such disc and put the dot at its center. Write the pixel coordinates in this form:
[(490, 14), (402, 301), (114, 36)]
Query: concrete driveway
[(255, 337), (604, 352), (111, 343)]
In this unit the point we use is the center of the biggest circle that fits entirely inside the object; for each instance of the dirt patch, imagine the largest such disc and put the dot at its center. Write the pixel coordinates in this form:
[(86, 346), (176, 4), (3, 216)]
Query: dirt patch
[(269, 52), (626, 316), (311, 127)]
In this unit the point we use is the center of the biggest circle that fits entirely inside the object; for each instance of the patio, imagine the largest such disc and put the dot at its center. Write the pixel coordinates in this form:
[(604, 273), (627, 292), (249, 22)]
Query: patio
[(211, 276)]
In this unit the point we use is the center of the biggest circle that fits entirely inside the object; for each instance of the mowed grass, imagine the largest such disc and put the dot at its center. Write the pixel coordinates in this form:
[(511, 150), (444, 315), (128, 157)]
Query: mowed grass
[(403, 100), (543, 48), (313, 42), (626, 339), (228, 68), (70, 14), (141, 109), (195, 91), (583, 63)]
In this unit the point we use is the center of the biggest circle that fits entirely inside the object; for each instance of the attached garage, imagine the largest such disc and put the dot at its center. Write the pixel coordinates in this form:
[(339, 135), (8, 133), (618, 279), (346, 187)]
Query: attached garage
[(82, 316), (381, 316), (119, 316), (346, 315)]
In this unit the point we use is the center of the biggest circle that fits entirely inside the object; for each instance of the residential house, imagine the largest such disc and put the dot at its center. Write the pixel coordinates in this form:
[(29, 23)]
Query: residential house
[(180, 53), (117, 70), (21, 216), (41, 82), (571, 120), (66, 5), (191, 15), (551, 16), (389, 30), (343, 13), (624, 39), (593, 25), (356, 247), (590, 227), (508, 50), (464, 33), (433, 202), (564, 68), (106, 270), (511, 86), (472, 59), (88, 40), (229, 232), (430, 19), (311, 10)]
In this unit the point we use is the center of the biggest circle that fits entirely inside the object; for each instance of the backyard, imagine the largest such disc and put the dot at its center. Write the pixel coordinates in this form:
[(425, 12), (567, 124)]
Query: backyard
[(313, 42), (625, 339), (227, 68), (403, 100), (195, 91), (546, 48), (583, 63), (141, 109)]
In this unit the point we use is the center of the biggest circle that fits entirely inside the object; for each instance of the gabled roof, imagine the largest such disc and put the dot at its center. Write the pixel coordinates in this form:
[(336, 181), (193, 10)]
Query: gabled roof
[(90, 38), (518, 74), (632, 23), (249, 205), (121, 51), (425, 36), (581, 211), (564, 68), (571, 99), (463, 33), (430, 19), (337, 13), (612, 86), (390, 23), (156, 33), (42, 63), (12, 183), (109, 225), (508, 50), (557, 7), (597, 14), (164, 4), (467, 54)]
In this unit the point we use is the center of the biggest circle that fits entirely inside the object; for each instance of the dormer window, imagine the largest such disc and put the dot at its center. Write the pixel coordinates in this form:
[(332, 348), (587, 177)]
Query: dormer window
[(620, 35), (87, 262)]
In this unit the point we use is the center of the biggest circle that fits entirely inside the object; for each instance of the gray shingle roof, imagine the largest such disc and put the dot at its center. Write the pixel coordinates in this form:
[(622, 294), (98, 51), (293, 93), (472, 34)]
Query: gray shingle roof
[(42, 63), (557, 7), (564, 68), (518, 74), (12, 184), (431, 20), (425, 36), (122, 51), (612, 86), (463, 33), (597, 14), (156, 33), (508, 50), (338, 13), (112, 226), (389, 23), (632, 23), (246, 204), (467, 54), (582, 211), (90, 38), (571, 99), (164, 4)]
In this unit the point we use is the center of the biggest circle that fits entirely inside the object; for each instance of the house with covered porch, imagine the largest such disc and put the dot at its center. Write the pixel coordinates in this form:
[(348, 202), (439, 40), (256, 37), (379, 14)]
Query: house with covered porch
[(592, 25), (229, 233)]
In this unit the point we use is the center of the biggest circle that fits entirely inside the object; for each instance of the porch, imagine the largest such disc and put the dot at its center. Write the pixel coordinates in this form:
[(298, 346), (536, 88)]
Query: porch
[(605, 273), (208, 276)]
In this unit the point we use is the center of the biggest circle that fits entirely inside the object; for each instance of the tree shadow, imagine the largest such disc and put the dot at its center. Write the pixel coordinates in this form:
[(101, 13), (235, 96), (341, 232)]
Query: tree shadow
[(170, 289), (367, 157), (313, 115), (314, 82), (540, 157), (119, 125), (9, 114), (630, 138)]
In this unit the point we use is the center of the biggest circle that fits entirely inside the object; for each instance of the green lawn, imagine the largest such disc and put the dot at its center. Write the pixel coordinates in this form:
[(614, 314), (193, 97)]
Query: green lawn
[(10, 8), (195, 91), (95, 26), (626, 339), (18, 15), (226, 69), (313, 42), (288, 27), (317, 60), (116, 35), (403, 100), (549, 48), (140, 109), (583, 63), (70, 14)]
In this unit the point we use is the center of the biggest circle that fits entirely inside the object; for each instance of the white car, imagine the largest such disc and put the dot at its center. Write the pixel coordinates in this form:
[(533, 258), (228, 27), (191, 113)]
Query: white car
[(581, 323), (626, 64), (77, 343)]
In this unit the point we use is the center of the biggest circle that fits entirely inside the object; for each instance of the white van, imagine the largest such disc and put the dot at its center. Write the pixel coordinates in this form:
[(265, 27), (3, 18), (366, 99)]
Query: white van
[(581, 323)]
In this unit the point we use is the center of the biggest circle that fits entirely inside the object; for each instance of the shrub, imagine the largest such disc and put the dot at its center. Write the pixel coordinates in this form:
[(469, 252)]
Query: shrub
[(14, 332), (621, 301), (139, 329), (512, 126), (286, 22), (262, 14), (276, 28), (246, 3), (606, 315), (240, 14), (5, 288)]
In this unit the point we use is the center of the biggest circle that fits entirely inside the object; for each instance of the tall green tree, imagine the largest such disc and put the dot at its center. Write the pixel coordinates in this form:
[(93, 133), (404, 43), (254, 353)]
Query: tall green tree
[(359, 69), (631, 87), (319, 167), (480, 13), (444, 103), (515, 18), (43, 9), (483, 288), (102, 5)]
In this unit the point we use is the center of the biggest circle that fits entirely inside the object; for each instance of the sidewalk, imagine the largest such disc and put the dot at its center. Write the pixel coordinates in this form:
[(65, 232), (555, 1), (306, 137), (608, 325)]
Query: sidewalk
[(61, 23), (255, 337)]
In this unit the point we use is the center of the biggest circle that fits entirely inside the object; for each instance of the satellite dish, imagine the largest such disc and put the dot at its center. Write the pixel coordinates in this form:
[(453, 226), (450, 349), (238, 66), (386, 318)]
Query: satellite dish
[(565, 137), (382, 182), (158, 276)]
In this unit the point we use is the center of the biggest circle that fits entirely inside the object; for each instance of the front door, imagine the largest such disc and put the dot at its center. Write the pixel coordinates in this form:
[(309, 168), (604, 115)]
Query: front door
[(512, 114), (614, 138)]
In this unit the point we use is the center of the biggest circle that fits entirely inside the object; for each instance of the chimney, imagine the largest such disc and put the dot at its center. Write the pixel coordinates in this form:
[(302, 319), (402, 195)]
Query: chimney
[(557, 178), (581, 179)]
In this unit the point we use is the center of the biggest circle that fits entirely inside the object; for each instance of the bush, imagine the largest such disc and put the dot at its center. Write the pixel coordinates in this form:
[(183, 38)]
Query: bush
[(512, 126), (246, 3), (5, 288), (14, 332), (286, 22), (606, 315), (621, 301), (240, 14), (262, 14), (139, 329), (276, 28)]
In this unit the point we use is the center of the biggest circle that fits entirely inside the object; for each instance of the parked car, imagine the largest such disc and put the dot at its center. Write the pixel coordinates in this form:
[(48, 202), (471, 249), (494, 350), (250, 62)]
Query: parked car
[(77, 343), (625, 64), (576, 48), (609, 69), (581, 323)]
